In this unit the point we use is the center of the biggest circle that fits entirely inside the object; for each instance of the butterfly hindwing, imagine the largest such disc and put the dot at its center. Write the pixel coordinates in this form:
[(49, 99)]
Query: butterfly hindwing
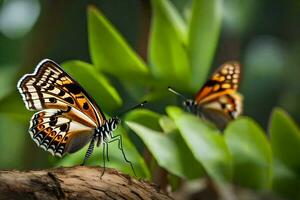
[(223, 109), (49, 87), (54, 130)]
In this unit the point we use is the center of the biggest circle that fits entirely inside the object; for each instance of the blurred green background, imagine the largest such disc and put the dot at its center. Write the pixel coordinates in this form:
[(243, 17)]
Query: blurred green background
[(262, 34)]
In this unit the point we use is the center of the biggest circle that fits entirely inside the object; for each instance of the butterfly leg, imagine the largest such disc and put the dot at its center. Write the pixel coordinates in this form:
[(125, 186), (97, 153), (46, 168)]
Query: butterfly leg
[(103, 157), (107, 157), (90, 150), (188, 109), (120, 146)]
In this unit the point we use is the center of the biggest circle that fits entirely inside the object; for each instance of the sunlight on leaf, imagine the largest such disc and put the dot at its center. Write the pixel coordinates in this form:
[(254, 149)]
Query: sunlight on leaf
[(170, 151), (110, 52), (167, 124), (173, 17), (144, 117), (206, 143), (204, 30), (168, 57)]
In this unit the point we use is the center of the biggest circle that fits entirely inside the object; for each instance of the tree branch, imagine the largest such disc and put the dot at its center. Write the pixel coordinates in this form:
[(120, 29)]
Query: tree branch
[(78, 182)]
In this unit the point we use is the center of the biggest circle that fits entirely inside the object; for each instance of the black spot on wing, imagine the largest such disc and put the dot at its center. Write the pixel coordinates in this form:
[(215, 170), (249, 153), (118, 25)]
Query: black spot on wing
[(61, 93), (52, 100), (63, 127), (211, 83), (223, 105), (69, 100), (53, 121), (85, 106), (74, 89), (51, 87)]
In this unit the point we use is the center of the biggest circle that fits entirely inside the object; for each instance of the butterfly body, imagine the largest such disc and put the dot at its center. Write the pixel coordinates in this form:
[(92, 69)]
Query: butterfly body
[(218, 100), (67, 118)]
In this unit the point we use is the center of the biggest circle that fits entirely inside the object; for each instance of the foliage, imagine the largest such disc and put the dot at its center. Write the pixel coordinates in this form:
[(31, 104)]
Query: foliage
[(251, 152), (206, 144), (180, 55)]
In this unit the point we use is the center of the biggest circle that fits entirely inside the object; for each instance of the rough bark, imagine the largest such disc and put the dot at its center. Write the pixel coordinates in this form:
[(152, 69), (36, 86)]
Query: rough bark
[(75, 183)]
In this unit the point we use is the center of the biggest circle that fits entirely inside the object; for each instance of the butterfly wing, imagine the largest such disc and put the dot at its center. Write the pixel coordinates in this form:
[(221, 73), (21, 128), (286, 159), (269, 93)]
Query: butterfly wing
[(49, 87), (225, 80), (218, 99), (56, 131), (67, 117), (222, 110)]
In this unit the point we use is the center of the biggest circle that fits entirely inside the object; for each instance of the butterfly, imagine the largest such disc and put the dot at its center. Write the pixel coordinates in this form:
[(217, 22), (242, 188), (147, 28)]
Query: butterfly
[(218, 100), (67, 118)]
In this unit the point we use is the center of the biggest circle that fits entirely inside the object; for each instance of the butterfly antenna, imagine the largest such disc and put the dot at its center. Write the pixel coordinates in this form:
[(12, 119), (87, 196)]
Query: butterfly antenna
[(177, 93), (133, 108)]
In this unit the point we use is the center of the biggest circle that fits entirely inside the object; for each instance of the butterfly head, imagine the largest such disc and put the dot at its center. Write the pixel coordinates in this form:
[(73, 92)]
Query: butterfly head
[(190, 105), (114, 122)]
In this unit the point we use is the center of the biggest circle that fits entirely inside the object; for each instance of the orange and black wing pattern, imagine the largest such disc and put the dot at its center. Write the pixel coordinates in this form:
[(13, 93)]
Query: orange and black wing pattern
[(219, 98), (49, 87), (57, 132), (225, 80), (67, 116)]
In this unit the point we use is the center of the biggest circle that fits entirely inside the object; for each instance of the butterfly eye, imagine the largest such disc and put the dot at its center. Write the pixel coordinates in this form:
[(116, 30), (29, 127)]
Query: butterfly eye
[(188, 103), (185, 104), (114, 125), (116, 120)]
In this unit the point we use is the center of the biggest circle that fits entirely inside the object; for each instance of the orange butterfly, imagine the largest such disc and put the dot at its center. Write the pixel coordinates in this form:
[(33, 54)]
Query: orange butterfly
[(218, 101), (67, 118)]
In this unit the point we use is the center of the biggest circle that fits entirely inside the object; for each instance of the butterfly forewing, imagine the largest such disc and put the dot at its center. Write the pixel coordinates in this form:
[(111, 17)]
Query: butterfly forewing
[(67, 116), (51, 87), (225, 80)]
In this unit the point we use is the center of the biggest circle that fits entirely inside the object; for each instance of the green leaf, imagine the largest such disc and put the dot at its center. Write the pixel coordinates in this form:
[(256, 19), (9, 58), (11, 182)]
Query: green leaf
[(13, 141), (167, 124), (157, 94), (168, 56), (285, 139), (285, 181), (173, 17), (205, 142), (144, 117), (251, 152), (7, 78), (110, 52), (116, 158), (203, 35), (174, 111), (170, 151), (97, 86), (12, 106)]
